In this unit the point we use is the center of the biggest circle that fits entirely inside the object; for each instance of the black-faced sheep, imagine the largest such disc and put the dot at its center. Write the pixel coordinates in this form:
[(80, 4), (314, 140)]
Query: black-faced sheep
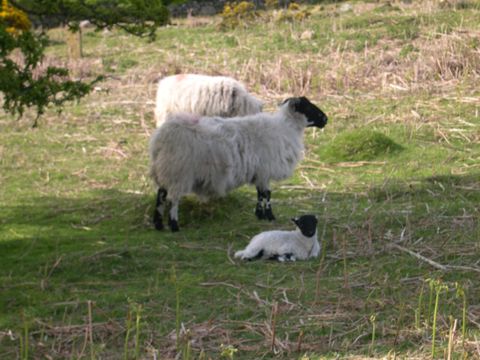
[(209, 156), (299, 244), (203, 95)]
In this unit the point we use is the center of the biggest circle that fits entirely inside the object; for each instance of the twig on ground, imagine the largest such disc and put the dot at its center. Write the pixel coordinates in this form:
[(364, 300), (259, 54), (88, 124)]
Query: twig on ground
[(421, 257), (220, 283), (299, 342), (229, 250), (434, 263), (90, 328), (273, 323)]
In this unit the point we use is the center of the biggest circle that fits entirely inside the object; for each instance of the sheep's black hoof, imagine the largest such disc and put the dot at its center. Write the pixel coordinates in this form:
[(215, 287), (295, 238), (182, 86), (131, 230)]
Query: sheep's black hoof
[(173, 225), (269, 214), (157, 221), (260, 212)]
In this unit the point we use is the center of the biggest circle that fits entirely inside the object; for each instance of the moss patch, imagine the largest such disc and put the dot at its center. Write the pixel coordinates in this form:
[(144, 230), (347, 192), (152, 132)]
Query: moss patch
[(359, 145)]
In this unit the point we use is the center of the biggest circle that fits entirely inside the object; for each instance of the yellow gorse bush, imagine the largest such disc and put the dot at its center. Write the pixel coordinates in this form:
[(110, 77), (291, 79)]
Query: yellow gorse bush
[(272, 4), (14, 19), (293, 13), (237, 14), (293, 6), (243, 13), (244, 8)]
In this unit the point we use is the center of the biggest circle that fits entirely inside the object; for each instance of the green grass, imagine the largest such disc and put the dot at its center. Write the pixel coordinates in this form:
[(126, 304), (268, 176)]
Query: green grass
[(83, 273), (359, 145)]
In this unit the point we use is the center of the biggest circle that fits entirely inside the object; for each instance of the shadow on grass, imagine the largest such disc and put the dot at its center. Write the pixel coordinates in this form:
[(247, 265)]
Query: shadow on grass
[(114, 210), (103, 214), (106, 214)]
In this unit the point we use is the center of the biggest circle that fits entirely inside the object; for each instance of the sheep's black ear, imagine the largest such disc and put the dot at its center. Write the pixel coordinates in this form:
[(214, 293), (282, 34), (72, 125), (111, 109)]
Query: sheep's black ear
[(296, 103), (285, 101), (301, 104)]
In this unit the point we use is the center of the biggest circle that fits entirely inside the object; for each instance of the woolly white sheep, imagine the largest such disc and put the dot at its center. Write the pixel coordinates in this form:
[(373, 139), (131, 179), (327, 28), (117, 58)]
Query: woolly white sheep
[(299, 244), (209, 156), (204, 96)]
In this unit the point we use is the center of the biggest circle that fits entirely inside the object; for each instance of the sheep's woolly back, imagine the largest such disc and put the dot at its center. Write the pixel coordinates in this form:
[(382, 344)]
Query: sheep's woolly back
[(204, 96), (210, 156), (272, 244)]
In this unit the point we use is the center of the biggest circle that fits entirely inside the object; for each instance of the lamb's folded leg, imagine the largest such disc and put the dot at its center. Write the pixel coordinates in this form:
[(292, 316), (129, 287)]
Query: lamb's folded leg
[(159, 208)]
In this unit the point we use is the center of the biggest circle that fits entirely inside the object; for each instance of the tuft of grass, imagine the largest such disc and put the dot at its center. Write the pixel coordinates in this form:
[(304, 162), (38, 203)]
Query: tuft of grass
[(126, 63), (404, 28), (359, 145), (24, 342), (407, 49)]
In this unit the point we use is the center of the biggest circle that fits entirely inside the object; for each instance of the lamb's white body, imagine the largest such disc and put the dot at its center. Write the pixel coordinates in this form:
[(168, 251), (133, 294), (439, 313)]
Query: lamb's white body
[(281, 245), (203, 95)]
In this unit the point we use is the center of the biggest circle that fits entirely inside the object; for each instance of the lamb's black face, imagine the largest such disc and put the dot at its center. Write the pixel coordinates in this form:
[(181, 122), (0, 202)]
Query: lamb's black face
[(307, 224), (315, 116)]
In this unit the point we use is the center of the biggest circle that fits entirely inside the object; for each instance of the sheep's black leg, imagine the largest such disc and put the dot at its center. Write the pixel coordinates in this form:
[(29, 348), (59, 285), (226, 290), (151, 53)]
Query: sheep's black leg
[(259, 210), (173, 217), (263, 210), (159, 207), (268, 207)]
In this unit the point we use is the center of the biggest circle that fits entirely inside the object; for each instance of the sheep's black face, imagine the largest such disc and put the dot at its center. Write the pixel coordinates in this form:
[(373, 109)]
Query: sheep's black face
[(315, 116), (307, 224)]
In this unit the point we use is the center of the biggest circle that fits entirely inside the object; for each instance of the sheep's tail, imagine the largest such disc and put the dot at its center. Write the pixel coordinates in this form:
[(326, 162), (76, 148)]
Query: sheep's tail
[(239, 254), (250, 254)]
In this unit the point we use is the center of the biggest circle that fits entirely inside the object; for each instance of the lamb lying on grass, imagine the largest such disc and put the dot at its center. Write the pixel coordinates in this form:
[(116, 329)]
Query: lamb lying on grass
[(203, 95), (210, 156), (300, 244)]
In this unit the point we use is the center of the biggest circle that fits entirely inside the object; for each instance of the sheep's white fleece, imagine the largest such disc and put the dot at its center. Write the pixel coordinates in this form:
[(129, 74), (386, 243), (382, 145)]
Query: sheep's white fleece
[(210, 156), (204, 96), (279, 243)]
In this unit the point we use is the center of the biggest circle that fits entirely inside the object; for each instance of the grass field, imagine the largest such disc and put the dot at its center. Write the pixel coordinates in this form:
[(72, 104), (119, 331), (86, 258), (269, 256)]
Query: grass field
[(394, 179)]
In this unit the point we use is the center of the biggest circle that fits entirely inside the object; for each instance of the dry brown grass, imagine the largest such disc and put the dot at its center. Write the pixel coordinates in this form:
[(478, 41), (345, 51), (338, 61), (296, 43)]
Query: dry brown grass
[(436, 62), (441, 63)]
